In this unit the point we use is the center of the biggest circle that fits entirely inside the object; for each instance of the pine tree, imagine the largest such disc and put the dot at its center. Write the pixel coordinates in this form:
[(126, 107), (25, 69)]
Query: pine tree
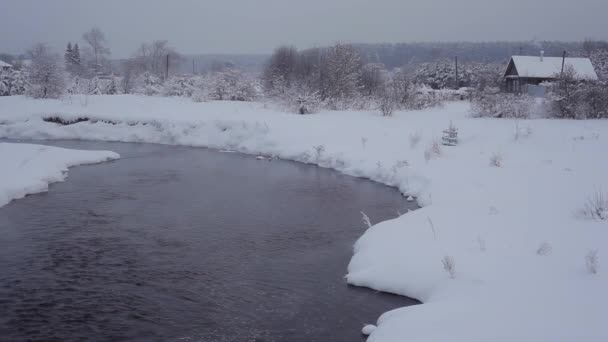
[(75, 60), (68, 57)]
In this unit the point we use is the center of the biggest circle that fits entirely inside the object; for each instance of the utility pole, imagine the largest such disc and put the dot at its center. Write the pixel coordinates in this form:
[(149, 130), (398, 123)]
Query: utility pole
[(167, 68), (563, 62), (193, 72), (456, 79)]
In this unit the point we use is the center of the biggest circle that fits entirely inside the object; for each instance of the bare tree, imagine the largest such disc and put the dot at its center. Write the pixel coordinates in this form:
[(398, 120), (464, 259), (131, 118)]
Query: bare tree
[(156, 57), (373, 78), (97, 41), (280, 70)]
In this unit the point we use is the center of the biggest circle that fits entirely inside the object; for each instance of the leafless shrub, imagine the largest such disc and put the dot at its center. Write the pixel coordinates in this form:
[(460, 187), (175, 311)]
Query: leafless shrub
[(496, 160), (449, 266), (596, 206), (545, 248), (592, 261), (366, 220), (414, 139)]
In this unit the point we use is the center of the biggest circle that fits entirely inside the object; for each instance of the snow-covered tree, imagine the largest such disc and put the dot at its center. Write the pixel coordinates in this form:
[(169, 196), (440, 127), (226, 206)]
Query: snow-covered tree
[(232, 85), (342, 71), (599, 59), (373, 78), (280, 73), (68, 55), (72, 59), (179, 86), (12, 82), (46, 77)]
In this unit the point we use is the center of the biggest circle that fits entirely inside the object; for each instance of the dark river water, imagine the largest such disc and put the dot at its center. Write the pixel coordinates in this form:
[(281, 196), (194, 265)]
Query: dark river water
[(188, 244)]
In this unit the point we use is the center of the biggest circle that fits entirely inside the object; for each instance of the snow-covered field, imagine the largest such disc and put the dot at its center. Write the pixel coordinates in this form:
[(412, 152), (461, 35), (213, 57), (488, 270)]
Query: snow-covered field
[(28, 169), (499, 251)]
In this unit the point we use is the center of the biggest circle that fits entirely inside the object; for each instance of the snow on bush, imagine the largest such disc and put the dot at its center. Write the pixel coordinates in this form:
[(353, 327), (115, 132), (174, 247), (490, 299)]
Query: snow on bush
[(502, 105), (12, 82), (576, 99), (303, 101), (148, 84), (232, 85), (180, 86)]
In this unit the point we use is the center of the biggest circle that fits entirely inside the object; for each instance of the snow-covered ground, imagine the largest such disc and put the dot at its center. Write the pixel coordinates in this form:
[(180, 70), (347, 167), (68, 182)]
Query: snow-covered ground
[(501, 210), (28, 169)]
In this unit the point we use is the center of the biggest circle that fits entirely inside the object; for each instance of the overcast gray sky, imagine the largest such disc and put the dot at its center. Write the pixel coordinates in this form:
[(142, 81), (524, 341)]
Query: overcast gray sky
[(257, 26)]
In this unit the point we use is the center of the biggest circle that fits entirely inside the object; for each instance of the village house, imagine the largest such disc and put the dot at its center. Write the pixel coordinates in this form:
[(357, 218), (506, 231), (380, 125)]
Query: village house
[(525, 74)]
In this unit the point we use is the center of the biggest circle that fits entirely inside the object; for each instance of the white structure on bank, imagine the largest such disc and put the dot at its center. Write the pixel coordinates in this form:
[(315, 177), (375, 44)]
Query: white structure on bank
[(5, 66)]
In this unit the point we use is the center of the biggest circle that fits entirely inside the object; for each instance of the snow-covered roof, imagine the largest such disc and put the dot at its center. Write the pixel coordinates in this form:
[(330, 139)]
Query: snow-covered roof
[(5, 65), (548, 67)]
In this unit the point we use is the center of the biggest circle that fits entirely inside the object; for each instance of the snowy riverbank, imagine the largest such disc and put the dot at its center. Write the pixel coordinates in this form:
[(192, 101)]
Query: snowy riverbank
[(28, 169), (503, 207)]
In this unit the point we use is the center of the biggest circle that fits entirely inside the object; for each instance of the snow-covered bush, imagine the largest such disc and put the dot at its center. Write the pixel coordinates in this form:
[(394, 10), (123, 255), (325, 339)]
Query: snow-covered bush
[(305, 102), (179, 86), (576, 99), (573, 98), (424, 98), (45, 74), (12, 82), (232, 85), (148, 84), (502, 105)]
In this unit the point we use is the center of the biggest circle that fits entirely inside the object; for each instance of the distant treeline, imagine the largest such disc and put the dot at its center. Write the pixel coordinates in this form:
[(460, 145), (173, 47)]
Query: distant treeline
[(397, 55), (402, 54)]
